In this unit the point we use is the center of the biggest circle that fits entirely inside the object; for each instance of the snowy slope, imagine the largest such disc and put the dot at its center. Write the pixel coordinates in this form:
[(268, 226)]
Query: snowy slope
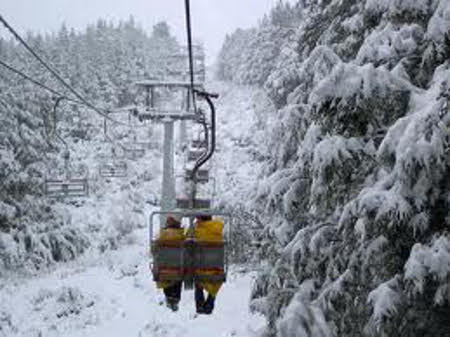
[(113, 295), (108, 291)]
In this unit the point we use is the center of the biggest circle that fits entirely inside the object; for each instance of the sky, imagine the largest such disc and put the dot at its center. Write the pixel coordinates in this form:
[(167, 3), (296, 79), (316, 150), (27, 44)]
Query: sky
[(211, 19)]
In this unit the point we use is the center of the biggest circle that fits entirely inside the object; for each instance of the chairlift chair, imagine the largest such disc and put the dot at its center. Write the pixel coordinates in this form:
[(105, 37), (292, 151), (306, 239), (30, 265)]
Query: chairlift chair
[(191, 259), (66, 188), (198, 144), (134, 152), (113, 168), (70, 184), (194, 154), (202, 175)]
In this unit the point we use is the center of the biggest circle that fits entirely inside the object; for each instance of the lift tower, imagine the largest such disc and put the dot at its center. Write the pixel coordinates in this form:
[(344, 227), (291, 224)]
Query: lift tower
[(167, 116)]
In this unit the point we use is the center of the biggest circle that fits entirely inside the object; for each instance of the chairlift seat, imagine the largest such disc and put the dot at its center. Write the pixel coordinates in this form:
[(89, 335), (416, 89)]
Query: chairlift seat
[(168, 260), (183, 260), (113, 170), (134, 153), (209, 261), (201, 258), (193, 155), (71, 188), (198, 144)]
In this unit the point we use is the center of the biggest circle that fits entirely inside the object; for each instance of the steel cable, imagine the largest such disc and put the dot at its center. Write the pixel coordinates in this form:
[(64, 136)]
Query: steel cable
[(57, 75)]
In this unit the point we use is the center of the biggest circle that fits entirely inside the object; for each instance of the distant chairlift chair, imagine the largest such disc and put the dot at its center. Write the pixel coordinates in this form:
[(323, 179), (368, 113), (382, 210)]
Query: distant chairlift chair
[(69, 184), (134, 151), (113, 167)]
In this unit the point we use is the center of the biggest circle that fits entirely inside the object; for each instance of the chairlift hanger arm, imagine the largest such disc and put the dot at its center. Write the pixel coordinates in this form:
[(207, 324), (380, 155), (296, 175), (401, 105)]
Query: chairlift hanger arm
[(55, 109), (201, 161)]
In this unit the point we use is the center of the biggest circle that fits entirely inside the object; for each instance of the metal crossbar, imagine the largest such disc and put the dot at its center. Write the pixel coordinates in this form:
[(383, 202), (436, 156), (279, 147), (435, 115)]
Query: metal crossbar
[(167, 84), (198, 203), (159, 115)]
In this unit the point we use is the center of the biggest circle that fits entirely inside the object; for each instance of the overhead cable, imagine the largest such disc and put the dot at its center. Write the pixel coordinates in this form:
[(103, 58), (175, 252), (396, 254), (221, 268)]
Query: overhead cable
[(56, 74), (190, 52), (36, 82)]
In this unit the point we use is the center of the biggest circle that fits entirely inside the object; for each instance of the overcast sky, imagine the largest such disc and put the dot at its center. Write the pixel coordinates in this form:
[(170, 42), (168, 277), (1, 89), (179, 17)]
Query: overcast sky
[(212, 19)]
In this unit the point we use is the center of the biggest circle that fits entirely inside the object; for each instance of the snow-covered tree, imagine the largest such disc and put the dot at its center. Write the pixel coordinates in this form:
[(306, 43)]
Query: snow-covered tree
[(355, 190), (102, 63)]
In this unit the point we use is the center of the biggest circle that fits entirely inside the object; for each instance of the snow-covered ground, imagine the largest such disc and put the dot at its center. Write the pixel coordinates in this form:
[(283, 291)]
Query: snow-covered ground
[(109, 292), (113, 295)]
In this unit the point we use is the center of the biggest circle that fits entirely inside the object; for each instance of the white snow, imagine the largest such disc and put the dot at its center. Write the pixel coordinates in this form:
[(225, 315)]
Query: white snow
[(428, 260), (439, 24), (385, 300), (113, 295), (390, 43)]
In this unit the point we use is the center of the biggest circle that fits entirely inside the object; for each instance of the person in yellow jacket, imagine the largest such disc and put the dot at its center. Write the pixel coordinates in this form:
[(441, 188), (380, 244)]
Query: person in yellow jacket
[(207, 231), (172, 232)]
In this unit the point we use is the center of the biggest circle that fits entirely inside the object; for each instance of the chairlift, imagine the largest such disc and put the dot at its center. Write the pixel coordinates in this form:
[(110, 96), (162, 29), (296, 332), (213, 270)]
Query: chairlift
[(68, 185), (71, 184), (194, 154), (131, 150), (134, 151), (66, 188), (190, 259), (113, 170), (198, 144), (113, 167), (202, 175)]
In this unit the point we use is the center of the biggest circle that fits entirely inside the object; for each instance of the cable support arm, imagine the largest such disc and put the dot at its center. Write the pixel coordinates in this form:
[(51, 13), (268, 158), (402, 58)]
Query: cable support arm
[(202, 160)]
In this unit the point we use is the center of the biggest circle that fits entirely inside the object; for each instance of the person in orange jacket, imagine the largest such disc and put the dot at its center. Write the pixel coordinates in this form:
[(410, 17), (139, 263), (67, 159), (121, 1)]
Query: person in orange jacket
[(172, 289), (207, 230)]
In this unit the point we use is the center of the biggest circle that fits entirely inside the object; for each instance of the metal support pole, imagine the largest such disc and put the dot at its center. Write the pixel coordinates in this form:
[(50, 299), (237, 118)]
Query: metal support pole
[(168, 201), (150, 104), (183, 127), (147, 97), (152, 97)]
